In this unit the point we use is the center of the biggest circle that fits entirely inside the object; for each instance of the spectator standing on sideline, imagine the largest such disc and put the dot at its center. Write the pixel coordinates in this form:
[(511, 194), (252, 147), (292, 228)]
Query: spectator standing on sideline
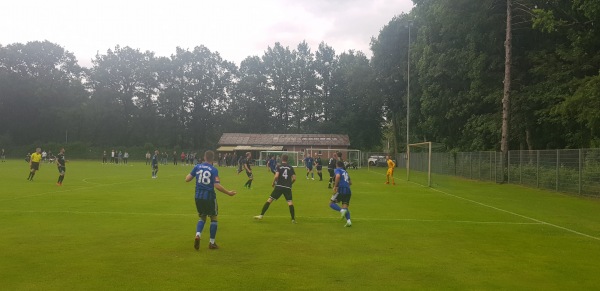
[(3, 156), (125, 157), (104, 156)]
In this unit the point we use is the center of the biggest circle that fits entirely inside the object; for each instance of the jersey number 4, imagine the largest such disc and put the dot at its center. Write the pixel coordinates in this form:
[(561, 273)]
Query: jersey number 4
[(285, 174)]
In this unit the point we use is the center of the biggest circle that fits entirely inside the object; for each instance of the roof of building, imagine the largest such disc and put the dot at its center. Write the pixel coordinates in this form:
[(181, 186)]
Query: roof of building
[(254, 139)]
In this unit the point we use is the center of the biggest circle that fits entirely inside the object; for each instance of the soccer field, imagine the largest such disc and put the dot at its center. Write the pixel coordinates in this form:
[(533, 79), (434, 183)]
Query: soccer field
[(112, 227)]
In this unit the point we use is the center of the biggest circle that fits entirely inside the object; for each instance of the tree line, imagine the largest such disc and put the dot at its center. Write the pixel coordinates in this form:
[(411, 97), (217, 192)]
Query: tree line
[(456, 53)]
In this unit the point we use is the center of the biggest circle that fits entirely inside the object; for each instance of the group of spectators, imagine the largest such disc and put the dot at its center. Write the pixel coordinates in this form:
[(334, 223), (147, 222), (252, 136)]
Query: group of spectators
[(116, 157), (229, 159), (186, 159)]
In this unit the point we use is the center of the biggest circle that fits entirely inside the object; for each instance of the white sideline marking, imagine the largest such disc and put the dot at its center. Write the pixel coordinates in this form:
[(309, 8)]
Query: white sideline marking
[(95, 185), (274, 216), (520, 215), (510, 212)]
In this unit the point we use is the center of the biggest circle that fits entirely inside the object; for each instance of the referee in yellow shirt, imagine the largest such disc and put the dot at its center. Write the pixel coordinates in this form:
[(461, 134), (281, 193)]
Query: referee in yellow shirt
[(34, 163), (390, 171)]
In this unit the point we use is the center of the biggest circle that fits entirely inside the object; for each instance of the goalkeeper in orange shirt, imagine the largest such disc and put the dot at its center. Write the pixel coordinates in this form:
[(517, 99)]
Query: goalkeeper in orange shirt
[(390, 171)]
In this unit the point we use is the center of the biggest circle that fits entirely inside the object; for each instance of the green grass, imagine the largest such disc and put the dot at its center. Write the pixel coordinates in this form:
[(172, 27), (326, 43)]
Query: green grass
[(114, 228)]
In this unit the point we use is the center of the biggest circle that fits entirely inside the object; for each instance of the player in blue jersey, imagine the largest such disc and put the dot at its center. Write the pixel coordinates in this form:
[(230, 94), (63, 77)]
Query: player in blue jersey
[(308, 163), (282, 185), (341, 192), (207, 180), (272, 164), (154, 164)]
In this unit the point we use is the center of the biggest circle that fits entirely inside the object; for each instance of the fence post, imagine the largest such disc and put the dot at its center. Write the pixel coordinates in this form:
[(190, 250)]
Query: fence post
[(537, 169), (557, 167), (520, 167), (491, 166), (580, 170), (507, 168), (470, 165)]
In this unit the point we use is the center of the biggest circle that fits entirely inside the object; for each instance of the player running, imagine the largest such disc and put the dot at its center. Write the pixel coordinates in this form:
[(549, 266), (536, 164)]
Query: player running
[(342, 193), (308, 163), (282, 185), (207, 179), (154, 164), (60, 163), (319, 165), (390, 171), (331, 169), (248, 169), (272, 164)]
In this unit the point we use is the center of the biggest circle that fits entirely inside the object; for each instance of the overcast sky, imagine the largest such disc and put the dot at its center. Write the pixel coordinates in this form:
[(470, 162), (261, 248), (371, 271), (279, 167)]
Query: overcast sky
[(235, 29)]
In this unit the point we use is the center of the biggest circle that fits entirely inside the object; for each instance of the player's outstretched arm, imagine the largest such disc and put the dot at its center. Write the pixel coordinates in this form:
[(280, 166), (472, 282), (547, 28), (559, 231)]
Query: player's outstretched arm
[(223, 190), (189, 177), (336, 183), (275, 178)]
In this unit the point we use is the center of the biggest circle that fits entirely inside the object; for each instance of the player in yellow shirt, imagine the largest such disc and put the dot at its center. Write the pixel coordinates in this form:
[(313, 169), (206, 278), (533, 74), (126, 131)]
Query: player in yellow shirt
[(34, 163), (390, 171)]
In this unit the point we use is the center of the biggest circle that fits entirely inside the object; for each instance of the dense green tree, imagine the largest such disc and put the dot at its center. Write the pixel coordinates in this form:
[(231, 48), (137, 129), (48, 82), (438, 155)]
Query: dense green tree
[(40, 92)]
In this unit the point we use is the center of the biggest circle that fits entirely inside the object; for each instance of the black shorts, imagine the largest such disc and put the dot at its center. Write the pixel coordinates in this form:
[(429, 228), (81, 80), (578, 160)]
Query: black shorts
[(155, 167), (62, 169), (319, 168), (278, 191), (207, 207), (249, 175), (331, 172), (35, 166), (309, 168), (343, 198)]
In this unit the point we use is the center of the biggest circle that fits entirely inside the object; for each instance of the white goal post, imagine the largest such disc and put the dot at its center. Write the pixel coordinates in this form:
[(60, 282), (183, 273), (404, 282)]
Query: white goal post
[(419, 159)]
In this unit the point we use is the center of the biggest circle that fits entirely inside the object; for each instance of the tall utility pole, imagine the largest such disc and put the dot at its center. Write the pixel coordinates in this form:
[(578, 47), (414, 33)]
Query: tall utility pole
[(506, 97), (408, 102)]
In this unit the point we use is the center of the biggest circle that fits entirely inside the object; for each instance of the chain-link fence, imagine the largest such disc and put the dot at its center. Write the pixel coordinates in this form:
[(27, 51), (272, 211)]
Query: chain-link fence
[(572, 171)]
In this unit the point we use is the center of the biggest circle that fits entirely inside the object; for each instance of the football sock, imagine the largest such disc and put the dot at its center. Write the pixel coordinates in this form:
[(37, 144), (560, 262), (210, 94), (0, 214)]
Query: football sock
[(249, 183), (32, 174), (312, 175), (265, 207), (213, 231), (292, 212), (200, 225), (320, 176), (347, 214), (62, 178), (212, 241), (29, 177), (335, 207)]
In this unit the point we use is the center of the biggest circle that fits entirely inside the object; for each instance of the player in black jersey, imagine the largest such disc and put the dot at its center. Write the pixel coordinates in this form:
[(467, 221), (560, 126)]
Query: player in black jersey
[(331, 167), (60, 163), (282, 185), (319, 164), (248, 169)]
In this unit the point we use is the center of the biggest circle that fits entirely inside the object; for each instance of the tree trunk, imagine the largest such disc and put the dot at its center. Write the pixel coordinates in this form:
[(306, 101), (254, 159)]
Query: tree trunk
[(506, 97)]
